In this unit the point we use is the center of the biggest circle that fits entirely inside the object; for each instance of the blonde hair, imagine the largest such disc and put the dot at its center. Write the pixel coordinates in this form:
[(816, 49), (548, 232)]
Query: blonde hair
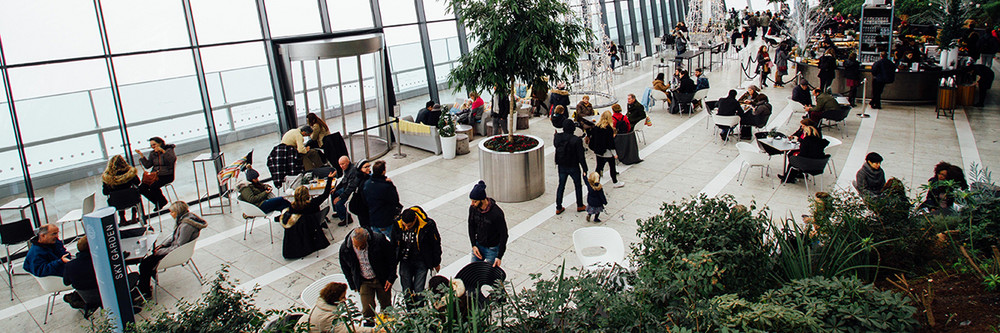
[(605, 121), (301, 197), (595, 180), (810, 131)]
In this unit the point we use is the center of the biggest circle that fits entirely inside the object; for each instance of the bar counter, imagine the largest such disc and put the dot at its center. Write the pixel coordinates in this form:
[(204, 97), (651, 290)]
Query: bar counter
[(908, 88)]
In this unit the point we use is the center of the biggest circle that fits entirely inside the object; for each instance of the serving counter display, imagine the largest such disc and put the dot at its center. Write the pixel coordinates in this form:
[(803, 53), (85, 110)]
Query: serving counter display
[(909, 87)]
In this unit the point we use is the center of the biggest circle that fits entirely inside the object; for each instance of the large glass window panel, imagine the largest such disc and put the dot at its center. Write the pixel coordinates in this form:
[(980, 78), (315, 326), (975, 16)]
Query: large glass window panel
[(239, 87), (437, 10), (65, 134), (406, 58), (48, 29), (350, 14), (612, 22), (626, 23), (220, 21), (144, 25), (444, 47), (11, 173), (396, 12), (293, 17)]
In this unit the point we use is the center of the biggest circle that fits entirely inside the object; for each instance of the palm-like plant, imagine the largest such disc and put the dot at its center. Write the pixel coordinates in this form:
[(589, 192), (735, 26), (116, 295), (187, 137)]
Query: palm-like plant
[(519, 40)]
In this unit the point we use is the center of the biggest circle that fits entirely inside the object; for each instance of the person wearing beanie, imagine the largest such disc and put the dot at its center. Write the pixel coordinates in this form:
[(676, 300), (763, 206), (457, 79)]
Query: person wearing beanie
[(871, 178), (487, 227), (418, 249), (254, 192), (570, 160)]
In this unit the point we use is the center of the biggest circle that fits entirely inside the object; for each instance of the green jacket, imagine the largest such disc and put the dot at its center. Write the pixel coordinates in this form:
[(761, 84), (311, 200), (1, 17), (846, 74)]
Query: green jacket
[(253, 194)]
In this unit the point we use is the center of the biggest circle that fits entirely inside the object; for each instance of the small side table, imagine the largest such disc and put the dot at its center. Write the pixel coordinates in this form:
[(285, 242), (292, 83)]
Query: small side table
[(21, 204), (461, 144), (203, 160), (464, 129), (522, 121)]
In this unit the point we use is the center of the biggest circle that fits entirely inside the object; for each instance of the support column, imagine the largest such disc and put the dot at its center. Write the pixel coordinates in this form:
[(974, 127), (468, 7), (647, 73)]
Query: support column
[(425, 45)]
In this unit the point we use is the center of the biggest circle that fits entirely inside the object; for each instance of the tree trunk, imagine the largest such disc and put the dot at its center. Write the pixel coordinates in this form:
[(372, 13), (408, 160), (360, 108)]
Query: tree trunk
[(512, 116)]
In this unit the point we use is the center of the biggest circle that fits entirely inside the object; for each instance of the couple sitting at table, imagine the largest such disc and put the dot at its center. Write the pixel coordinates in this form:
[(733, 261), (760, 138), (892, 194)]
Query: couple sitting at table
[(811, 145), (757, 113)]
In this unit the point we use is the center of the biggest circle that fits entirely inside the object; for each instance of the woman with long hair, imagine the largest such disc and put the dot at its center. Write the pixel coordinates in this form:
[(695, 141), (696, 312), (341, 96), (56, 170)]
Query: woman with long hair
[(601, 139), (661, 85), (319, 127), (303, 232), (811, 145), (781, 61), (763, 65), (160, 163), (120, 181)]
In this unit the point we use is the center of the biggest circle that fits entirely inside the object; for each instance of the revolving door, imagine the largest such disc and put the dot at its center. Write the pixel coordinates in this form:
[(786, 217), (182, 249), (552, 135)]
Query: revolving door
[(342, 81)]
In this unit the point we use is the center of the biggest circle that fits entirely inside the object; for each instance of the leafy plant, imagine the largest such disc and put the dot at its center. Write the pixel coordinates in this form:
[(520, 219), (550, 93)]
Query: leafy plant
[(846, 304), (980, 210), (802, 254), (734, 313), (446, 125), (518, 42)]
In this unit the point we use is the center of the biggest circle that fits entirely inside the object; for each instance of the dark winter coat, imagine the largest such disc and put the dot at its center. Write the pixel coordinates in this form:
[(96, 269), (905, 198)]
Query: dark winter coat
[(428, 241), (383, 201), (488, 228), (569, 148), (44, 259), (381, 256)]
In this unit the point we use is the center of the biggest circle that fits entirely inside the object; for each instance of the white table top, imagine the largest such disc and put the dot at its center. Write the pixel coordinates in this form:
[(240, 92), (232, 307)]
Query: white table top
[(138, 247), (19, 203), (784, 145)]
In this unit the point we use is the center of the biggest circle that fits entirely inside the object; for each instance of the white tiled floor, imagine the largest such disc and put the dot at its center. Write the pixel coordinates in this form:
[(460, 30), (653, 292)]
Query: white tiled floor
[(909, 137)]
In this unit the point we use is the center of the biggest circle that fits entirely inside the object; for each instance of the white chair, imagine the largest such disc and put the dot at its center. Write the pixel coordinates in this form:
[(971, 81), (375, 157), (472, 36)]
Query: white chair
[(753, 157), (796, 108), (311, 293), (52, 285), (730, 121), (604, 237), (250, 214), (700, 96), (659, 96), (180, 256), (833, 143), (76, 215)]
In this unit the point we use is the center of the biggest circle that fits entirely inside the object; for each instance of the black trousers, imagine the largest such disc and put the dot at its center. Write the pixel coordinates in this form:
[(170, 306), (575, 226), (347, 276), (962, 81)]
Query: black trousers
[(611, 164), (147, 268), (877, 89), (153, 193)]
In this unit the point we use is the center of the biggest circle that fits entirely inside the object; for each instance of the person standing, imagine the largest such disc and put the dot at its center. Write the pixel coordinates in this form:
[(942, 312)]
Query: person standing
[(383, 200), (595, 197), (570, 160), (418, 248), (187, 228), (781, 61), (601, 139), (500, 111), (870, 178), (827, 69), (763, 65), (369, 264), (161, 163), (319, 130), (487, 227), (988, 48), (984, 82), (852, 76), (883, 72)]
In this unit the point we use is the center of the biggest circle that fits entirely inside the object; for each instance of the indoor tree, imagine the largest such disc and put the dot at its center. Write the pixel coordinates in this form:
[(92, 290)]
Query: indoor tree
[(519, 40)]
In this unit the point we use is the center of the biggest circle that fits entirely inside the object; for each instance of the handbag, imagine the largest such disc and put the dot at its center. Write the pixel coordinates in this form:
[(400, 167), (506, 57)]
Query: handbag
[(783, 68), (149, 178)]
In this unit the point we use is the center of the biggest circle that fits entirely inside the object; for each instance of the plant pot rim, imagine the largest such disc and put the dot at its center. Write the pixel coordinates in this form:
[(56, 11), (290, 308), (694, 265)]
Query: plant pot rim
[(482, 145)]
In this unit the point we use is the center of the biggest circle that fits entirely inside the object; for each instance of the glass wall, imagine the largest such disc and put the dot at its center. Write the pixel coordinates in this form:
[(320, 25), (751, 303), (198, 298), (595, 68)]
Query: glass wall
[(94, 79)]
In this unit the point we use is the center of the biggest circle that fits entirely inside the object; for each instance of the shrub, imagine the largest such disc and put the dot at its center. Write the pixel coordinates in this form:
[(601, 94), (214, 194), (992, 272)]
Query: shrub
[(733, 313), (717, 225), (803, 254), (980, 211), (845, 304)]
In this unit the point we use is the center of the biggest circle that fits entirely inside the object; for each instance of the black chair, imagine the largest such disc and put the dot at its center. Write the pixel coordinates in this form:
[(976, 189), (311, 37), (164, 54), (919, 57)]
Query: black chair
[(478, 274), (835, 118), (810, 168), (334, 147), (682, 100), (13, 234), (127, 198)]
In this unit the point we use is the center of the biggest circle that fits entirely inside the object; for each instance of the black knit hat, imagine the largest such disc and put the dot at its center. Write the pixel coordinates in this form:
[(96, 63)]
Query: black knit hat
[(478, 191)]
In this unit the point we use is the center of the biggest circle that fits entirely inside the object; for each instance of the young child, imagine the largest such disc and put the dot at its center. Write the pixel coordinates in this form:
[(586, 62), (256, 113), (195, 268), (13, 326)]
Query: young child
[(595, 197)]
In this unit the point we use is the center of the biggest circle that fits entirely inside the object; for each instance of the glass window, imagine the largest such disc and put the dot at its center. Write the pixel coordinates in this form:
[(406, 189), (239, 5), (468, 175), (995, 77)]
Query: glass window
[(144, 25), (437, 10), (612, 22), (239, 87), (48, 29), (220, 21), (397, 12), (293, 17), (444, 47), (406, 58), (350, 14), (11, 174)]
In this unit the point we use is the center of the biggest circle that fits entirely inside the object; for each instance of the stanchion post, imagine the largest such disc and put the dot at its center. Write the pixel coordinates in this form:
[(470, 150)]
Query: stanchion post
[(864, 98), (399, 133)]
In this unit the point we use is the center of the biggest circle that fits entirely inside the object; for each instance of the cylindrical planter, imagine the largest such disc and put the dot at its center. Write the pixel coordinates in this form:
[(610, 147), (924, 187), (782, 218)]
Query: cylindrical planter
[(448, 147), (513, 177)]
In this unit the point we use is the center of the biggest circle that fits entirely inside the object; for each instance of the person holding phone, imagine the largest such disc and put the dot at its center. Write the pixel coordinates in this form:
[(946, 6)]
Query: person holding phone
[(160, 166)]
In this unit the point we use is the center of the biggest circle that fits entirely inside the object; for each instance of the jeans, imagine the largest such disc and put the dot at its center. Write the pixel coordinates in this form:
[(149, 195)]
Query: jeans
[(500, 126), (387, 231), (489, 253), (877, 89), (370, 289), (340, 208), (412, 276), (274, 205), (573, 173), (611, 164)]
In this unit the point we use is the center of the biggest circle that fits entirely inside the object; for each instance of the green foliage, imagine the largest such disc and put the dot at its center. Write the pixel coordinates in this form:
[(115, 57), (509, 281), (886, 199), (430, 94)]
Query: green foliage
[(678, 286), (804, 254), (980, 213), (446, 124), (734, 313), (455, 315), (846, 305), (733, 234)]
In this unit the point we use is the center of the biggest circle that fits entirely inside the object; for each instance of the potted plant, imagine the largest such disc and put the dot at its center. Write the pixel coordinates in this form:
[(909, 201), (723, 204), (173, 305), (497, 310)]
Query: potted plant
[(952, 14), (446, 129), (519, 41)]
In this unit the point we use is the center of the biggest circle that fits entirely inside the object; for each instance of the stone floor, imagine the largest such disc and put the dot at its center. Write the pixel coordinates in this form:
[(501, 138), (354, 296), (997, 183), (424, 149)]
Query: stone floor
[(682, 158)]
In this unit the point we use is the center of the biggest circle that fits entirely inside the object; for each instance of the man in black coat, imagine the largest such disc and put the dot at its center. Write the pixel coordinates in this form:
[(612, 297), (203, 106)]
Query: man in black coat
[(570, 160), (884, 72), (369, 264), (349, 182), (423, 116), (487, 227), (728, 106), (801, 93), (985, 81), (636, 112), (383, 200), (418, 248)]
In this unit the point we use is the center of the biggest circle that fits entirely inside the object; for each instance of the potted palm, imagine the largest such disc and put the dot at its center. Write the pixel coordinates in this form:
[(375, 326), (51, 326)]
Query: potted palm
[(951, 14), (519, 41), (446, 129)]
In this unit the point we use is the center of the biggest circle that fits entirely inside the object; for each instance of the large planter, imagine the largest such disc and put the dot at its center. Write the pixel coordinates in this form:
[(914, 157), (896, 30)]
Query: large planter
[(513, 177), (448, 144)]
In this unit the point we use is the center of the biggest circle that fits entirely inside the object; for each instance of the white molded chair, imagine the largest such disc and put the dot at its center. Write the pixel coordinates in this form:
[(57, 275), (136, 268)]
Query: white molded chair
[(311, 293), (700, 96), (180, 256), (604, 237), (796, 108), (77, 215), (833, 143), (660, 96), (753, 157), (251, 213), (52, 285), (730, 121)]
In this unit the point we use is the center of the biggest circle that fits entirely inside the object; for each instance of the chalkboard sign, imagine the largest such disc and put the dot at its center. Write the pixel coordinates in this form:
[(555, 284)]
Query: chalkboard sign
[(876, 32)]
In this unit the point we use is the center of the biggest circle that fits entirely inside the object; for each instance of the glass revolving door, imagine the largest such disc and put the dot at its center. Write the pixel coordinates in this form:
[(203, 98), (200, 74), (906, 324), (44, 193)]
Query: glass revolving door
[(341, 80)]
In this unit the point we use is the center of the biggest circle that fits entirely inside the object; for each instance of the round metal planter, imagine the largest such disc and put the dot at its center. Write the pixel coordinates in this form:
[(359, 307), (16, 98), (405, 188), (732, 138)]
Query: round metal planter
[(513, 177)]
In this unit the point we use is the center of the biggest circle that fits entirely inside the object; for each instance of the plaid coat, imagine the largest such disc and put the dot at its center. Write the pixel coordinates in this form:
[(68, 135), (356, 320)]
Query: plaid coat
[(283, 161)]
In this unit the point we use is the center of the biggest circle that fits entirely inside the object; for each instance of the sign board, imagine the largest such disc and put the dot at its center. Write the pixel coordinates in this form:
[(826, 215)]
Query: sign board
[(109, 265)]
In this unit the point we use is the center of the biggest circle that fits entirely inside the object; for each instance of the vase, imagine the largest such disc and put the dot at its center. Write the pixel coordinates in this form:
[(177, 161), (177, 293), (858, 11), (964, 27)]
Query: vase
[(513, 176), (448, 144), (948, 58)]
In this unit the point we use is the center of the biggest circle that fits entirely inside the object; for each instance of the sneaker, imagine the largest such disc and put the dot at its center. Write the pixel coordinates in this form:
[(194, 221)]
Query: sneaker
[(581, 208), (588, 217), (597, 220), (74, 300), (619, 184), (559, 210)]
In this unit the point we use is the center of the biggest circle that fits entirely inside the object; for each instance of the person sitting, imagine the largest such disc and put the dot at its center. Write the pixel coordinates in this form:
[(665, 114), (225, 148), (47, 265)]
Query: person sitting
[(636, 114), (825, 106), (559, 96), (187, 228), (303, 234), (811, 145), (46, 254), (423, 116), (584, 110), (160, 162), (755, 117), (749, 96), (120, 182), (660, 85), (687, 86), (558, 115), (728, 106), (801, 94), (326, 316), (621, 123), (254, 192), (79, 273), (870, 179), (940, 196), (701, 80)]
